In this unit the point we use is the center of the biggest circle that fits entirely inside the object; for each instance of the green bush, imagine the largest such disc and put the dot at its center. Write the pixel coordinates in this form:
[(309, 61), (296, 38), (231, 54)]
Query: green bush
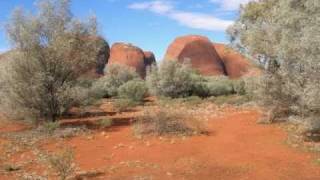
[(105, 122), (134, 90), (50, 127), (230, 99), (51, 52), (115, 76), (175, 80), (123, 105), (218, 86), (289, 51), (239, 87), (213, 86), (171, 79)]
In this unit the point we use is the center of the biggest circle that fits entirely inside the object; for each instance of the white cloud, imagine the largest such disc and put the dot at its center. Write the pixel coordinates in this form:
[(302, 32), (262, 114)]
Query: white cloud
[(201, 21), (230, 5), (189, 19), (154, 6)]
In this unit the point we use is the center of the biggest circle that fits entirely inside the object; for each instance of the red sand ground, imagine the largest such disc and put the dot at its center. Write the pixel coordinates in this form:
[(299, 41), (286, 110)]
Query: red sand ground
[(236, 148)]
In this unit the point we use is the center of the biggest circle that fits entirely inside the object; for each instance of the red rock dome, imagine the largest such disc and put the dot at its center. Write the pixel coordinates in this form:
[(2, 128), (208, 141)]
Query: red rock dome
[(103, 56), (199, 51), (149, 58), (236, 65), (132, 56)]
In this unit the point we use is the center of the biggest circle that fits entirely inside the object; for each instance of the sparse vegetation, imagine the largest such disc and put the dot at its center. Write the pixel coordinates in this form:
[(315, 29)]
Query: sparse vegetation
[(235, 100), (62, 163), (123, 105), (105, 123), (52, 50), (167, 121), (50, 127), (115, 76), (173, 79), (288, 43), (186, 123), (215, 86), (134, 90)]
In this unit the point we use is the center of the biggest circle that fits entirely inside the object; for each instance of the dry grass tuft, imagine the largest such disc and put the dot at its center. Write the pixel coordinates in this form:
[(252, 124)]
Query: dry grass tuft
[(62, 163), (168, 121)]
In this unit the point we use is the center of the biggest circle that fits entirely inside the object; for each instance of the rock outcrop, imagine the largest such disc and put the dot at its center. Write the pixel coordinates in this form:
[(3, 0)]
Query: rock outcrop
[(103, 56), (132, 56), (149, 58), (199, 51), (236, 65)]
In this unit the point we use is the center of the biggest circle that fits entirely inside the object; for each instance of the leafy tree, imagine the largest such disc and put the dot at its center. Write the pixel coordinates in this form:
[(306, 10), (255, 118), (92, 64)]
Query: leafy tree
[(52, 49), (286, 33)]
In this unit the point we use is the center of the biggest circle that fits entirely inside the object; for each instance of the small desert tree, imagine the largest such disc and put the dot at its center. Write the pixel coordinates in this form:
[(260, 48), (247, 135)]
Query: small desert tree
[(52, 50), (286, 33)]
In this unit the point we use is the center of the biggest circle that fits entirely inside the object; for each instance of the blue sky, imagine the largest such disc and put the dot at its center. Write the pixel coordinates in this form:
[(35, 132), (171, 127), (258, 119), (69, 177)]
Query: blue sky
[(151, 25)]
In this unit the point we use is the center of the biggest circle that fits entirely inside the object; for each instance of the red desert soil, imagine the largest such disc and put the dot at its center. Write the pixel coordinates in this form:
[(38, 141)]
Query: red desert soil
[(236, 148), (9, 126)]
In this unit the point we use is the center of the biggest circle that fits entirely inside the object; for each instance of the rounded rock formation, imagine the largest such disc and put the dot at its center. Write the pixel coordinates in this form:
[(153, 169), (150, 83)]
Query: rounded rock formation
[(236, 65), (199, 51), (149, 58), (129, 55), (103, 56)]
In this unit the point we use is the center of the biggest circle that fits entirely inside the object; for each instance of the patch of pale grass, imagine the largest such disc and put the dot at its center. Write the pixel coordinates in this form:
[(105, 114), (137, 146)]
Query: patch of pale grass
[(168, 120)]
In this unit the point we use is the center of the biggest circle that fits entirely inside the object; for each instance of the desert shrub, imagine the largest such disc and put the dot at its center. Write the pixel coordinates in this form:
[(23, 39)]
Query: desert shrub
[(105, 122), (312, 128), (134, 90), (230, 99), (192, 100), (239, 87), (290, 50), (172, 79), (122, 105), (219, 86), (252, 86), (62, 163), (167, 121), (115, 76), (213, 86), (87, 93), (50, 127), (175, 80), (51, 53)]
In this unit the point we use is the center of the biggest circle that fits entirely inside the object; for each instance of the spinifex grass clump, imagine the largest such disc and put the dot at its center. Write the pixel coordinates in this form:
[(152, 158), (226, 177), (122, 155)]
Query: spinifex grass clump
[(168, 121), (62, 163)]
